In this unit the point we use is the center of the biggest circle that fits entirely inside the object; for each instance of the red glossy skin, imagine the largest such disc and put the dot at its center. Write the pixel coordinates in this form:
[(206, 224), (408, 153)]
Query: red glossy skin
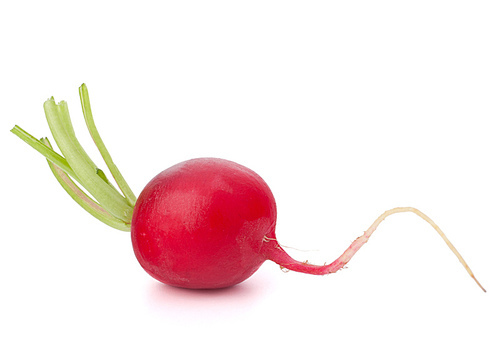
[(202, 224)]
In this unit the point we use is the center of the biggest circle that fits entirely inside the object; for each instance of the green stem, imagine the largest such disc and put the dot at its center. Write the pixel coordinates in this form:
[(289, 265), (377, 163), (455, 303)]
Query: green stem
[(82, 198), (60, 125), (89, 119), (48, 153), (109, 206)]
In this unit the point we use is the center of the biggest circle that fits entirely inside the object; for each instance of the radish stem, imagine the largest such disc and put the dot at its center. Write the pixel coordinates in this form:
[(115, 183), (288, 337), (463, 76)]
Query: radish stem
[(109, 206), (89, 119), (62, 130), (48, 153), (82, 198)]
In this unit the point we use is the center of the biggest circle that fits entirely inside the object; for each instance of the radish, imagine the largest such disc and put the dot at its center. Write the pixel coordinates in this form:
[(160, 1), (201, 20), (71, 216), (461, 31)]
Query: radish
[(202, 224)]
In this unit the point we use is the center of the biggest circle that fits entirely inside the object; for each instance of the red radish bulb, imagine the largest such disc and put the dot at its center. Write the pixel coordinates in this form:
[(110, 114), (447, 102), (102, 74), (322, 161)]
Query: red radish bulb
[(202, 224)]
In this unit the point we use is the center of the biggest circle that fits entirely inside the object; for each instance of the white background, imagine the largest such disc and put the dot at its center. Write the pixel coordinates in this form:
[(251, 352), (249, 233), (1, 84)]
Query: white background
[(346, 109)]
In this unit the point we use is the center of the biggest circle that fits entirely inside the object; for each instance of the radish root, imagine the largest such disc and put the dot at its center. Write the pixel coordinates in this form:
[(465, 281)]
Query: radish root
[(285, 261)]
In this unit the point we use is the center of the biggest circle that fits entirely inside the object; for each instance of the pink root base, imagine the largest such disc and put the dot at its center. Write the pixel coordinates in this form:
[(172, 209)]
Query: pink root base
[(277, 254)]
